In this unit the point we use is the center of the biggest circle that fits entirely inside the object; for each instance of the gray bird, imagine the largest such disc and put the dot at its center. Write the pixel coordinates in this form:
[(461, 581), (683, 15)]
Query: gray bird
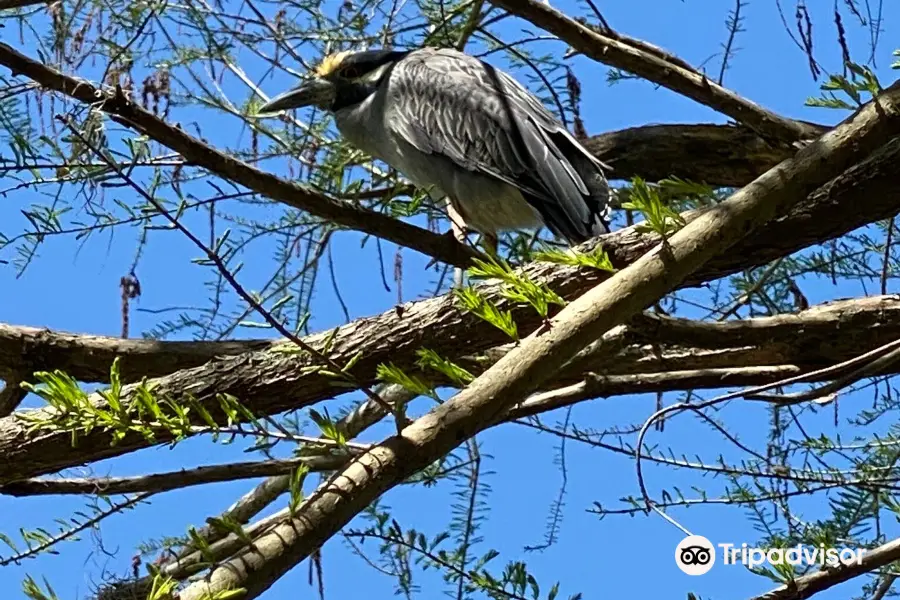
[(460, 128)]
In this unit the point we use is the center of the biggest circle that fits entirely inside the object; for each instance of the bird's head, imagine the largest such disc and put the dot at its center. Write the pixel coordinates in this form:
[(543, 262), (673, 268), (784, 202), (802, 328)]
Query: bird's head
[(342, 79)]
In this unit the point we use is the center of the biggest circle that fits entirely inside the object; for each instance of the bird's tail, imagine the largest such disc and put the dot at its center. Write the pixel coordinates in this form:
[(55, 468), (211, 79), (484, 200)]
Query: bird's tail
[(590, 171)]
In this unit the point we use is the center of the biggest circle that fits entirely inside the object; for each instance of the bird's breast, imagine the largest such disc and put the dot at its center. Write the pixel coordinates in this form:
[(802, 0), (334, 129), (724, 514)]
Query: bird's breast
[(363, 126)]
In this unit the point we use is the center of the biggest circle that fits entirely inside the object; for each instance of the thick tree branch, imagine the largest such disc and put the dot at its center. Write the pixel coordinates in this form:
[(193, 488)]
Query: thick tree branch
[(541, 354), (655, 353), (831, 333), (653, 67), (11, 394), (10, 4), (347, 214), (718, 155), (270, 382), (24, 350), (810, 585)]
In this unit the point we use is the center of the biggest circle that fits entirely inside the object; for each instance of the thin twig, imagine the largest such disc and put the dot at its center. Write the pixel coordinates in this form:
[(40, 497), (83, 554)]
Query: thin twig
[(88, 524), (747, 296), (884, 586), (867, 370), (161, 482), (122, 110), (227, 275), (734, 27), (471, 25), (652, 67)]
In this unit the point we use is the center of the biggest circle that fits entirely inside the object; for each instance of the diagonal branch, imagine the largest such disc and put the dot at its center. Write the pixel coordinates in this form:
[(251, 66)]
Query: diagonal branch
[(269, 383), (541, 354), (653, 67), (655, 353), (810, 585), (161, 482), (344, 213)]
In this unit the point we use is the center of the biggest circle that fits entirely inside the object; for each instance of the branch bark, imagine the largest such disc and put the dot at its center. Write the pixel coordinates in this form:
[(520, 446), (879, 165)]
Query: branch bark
[(831, 333), (652, 354), (810, 585), (269, 383), (10, 4), (657, 69), (161, 482), (542, 353), (24, 350), (120, 108), (11, 394), (718, 155)]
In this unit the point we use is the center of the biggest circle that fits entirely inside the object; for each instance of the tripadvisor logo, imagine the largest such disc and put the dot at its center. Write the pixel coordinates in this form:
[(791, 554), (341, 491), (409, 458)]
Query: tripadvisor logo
[(795, 555), (696, 555)]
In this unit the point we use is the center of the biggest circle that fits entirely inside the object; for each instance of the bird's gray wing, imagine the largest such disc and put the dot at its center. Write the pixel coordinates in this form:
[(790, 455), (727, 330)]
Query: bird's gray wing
[(450, 104)]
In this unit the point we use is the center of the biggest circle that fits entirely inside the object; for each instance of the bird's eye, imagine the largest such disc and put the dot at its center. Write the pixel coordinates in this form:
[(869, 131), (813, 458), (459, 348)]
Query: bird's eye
[(350, 72)]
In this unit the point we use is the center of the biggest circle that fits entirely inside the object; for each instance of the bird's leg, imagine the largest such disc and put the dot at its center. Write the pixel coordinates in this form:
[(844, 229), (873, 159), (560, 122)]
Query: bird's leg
[(489, 241), (457, 225)]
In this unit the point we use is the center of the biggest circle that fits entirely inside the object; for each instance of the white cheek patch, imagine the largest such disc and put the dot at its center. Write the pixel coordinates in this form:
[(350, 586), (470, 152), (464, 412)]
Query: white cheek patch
[(376, 74)]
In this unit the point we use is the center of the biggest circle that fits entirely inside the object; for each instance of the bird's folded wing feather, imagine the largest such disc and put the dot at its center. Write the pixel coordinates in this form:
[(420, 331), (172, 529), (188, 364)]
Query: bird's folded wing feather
[(453, 105)]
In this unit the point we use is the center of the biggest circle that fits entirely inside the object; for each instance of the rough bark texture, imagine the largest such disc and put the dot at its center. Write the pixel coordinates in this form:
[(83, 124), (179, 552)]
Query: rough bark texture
[(810, 585), (541, 354), (197, 153), (660, 69), (24, 350), (655, 353), (831, 333), (718, 155), (270, 382)]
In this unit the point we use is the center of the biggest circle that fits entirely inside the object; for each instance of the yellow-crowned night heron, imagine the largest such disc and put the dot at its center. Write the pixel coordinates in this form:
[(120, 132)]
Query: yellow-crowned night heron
[(462, 129)]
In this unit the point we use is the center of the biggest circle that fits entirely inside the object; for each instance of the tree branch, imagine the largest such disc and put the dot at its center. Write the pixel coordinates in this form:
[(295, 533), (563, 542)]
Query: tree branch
[(161, 482), (655, 353), (655, 68), (11, 394), (718, 155), (602, 386), (810, 585), (24, 350), (269, 383), (656, 343), (196, 153), (10, 4), (541, 354)]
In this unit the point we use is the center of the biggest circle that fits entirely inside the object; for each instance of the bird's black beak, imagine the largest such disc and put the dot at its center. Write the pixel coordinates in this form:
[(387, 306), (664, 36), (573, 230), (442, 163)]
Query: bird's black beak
[(318, 92)]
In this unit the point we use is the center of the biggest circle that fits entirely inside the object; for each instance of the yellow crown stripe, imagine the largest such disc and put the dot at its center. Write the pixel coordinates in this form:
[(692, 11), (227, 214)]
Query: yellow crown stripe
[(330, 63)]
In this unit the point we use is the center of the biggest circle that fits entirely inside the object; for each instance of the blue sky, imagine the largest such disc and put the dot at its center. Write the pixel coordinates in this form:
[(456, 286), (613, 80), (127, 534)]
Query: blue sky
[(78, 291)]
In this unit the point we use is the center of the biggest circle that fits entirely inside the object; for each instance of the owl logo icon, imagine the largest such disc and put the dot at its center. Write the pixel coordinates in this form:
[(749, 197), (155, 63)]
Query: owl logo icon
[(695, 555)]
